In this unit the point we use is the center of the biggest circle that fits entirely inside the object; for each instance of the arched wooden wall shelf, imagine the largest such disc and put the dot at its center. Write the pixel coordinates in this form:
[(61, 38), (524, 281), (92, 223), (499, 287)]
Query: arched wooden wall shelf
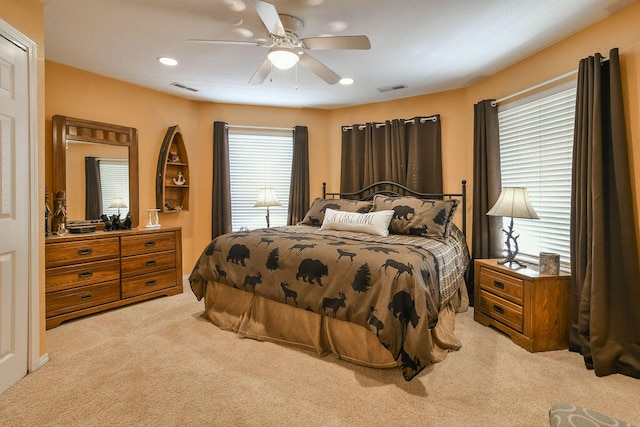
[(172, 178)]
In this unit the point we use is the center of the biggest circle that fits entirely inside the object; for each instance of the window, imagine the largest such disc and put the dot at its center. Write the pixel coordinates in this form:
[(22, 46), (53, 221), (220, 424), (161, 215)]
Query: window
[(114, 180), (536, 145), (259, 159)]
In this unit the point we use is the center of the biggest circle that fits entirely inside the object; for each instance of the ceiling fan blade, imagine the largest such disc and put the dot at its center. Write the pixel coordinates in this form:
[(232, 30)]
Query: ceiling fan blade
[(318, 68), (270, 18), (241, 42), (337, 42), (261, 73)]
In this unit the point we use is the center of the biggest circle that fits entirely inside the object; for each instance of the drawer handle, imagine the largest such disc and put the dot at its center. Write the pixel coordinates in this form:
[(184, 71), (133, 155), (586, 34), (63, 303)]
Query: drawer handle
[(85, 251), (150, 283), (86, 297), (150, 243), (150, 263), (85, 274), (498, 285), (498, 309)]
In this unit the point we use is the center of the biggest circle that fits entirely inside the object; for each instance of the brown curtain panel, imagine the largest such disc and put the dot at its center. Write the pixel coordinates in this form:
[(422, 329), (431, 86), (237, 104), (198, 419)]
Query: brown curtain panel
[(93, 188), (487, 183), (406, 152), (352, 158), (221, 194), (424, 155), (605, 274), (299, 187)]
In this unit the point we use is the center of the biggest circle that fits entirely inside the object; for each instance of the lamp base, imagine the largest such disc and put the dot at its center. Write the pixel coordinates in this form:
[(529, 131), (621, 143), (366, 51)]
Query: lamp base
[(509, 263), (511, 254)]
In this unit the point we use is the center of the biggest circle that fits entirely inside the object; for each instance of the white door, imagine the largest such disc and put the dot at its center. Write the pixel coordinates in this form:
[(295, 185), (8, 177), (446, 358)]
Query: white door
[(14, 213)]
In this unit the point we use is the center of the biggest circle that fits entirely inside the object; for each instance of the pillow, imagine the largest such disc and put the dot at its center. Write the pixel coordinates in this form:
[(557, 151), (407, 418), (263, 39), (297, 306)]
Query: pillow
[(376, 223), (418, 217), (315, 216)]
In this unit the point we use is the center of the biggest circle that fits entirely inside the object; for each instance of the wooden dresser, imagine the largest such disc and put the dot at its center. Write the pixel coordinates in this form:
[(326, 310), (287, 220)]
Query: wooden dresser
[(93, 272), (532, 309)]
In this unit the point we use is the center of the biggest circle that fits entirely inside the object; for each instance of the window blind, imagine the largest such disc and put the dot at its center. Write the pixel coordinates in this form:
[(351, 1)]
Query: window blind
[(114, 180), (259, 159), (536, 144)]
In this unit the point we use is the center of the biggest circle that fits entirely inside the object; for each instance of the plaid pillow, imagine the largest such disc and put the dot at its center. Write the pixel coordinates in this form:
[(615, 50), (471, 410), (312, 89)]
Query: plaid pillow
[(418, 217), (315, 215)]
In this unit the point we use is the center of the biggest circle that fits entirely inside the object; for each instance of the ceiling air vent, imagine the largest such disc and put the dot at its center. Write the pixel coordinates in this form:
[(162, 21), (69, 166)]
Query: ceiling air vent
[(181, 86), (390, 88)]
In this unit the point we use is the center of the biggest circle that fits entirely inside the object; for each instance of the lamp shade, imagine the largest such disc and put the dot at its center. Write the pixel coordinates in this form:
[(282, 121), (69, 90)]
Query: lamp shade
[(117, 202), (513, 202), (282, 58), (267, 197)]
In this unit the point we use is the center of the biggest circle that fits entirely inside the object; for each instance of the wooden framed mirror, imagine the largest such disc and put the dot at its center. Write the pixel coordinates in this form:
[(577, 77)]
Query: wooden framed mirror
[(75, 141)]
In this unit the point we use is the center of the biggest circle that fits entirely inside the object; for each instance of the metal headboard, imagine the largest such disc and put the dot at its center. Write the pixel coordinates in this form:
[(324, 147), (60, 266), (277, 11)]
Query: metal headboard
[(390, 188)]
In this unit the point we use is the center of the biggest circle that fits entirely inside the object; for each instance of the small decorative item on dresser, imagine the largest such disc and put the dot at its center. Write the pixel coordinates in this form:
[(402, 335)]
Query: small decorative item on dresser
[(59, 220), (47, 213), (549, 263), (150, 214)]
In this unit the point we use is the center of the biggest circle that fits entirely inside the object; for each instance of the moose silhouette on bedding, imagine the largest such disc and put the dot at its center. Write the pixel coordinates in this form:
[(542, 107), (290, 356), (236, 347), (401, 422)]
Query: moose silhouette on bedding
[(394, 286)]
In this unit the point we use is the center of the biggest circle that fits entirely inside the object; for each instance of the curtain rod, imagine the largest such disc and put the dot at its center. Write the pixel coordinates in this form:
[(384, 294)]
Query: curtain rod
[(539, 85), (529, 89), (407, 121), (257, 127)]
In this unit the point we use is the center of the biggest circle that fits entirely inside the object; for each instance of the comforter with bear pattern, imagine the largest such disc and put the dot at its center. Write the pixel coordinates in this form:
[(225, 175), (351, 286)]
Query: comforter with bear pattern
[(394, 286)]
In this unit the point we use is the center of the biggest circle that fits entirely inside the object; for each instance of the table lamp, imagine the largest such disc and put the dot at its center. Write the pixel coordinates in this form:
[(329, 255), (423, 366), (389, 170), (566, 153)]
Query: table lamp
[(267, 198), (513, 202), (118, 203)]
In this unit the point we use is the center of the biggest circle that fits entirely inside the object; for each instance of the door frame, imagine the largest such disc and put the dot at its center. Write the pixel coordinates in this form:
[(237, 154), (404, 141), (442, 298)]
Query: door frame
[(34, 359)]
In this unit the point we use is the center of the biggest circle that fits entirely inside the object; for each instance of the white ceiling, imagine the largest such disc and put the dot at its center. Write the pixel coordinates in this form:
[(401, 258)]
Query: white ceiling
[(427, 45)]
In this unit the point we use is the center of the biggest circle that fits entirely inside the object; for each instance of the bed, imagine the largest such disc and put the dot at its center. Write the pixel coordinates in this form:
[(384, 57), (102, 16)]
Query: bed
[(374, 277)]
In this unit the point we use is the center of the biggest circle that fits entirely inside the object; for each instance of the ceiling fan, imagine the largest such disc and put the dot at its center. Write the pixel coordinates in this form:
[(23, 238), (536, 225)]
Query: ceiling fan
[(286, 48)]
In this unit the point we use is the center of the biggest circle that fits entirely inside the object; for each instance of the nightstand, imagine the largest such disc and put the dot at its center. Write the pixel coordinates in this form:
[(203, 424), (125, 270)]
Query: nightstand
[(531, 308)]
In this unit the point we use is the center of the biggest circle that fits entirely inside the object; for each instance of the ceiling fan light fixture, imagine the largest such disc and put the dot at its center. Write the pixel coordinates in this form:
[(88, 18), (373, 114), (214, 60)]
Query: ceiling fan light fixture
[(346, 81), (167, 61), (282, 58)]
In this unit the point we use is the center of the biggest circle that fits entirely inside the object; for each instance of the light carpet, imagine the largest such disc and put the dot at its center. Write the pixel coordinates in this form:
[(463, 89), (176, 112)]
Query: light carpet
[(158, 363)]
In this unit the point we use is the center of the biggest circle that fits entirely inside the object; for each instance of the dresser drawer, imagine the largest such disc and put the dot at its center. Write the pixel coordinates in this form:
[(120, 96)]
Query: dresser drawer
[(62, 302), (67, 253), (148, 263), (140, 285), (61, 278), (500, 309), (510, 288), (146, 243)]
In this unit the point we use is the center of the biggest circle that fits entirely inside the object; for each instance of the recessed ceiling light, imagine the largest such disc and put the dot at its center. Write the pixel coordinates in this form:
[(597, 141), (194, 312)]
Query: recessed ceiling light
[(167, 61), (346, 81)]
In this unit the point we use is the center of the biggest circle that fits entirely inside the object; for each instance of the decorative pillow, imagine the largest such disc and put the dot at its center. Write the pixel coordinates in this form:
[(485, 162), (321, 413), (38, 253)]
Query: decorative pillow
[(418, 217), (376, 223), (315, 216)]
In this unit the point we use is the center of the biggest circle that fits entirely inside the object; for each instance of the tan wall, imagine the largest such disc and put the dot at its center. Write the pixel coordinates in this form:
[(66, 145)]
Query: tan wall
[(80, 94), (27, 16), (620, 30), (76, 93)]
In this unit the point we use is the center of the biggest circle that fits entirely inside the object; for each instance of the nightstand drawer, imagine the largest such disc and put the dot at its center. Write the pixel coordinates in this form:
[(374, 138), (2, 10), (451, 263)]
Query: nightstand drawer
[(500, 309), (140, 285), (507, 287), (146, 243), (88, 296), (58, 254), (143, 264), (61, 278)]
